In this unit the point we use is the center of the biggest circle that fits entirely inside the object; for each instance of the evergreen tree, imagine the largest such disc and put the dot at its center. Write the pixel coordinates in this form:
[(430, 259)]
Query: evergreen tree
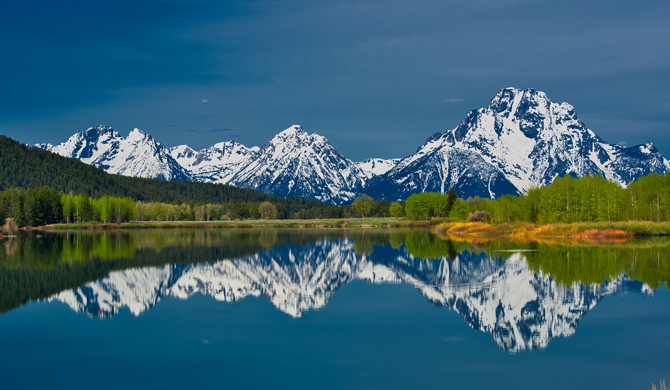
[(451, 199)]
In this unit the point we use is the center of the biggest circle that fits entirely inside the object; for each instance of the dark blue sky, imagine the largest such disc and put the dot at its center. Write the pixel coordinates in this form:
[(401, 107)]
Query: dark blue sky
[(375, 77)]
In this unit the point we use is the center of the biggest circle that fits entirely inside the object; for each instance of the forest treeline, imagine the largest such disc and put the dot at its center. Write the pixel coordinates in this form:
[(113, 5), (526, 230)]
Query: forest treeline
[(590, 198), (567, 200), (43, 206)]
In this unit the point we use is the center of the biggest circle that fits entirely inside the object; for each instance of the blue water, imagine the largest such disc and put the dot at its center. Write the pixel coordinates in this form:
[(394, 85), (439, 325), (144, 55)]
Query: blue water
[(368, 335)]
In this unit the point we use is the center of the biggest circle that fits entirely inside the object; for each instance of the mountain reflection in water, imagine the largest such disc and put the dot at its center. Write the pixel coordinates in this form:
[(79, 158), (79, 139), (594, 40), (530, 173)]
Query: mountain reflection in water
[(503, 292)]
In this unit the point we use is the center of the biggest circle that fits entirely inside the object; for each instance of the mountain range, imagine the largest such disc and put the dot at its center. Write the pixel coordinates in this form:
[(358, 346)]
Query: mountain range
[(521, 308), (521, 140)]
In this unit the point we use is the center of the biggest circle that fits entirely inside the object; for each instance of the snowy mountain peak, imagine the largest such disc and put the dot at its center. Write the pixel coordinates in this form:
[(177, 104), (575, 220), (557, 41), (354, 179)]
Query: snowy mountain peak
[(137, 133), (295, 137), (137, 136), (87, 144), (294, 163), (101, 129), (508, 100), (44, 145), (295, 130), (218, 163), (182, 152)]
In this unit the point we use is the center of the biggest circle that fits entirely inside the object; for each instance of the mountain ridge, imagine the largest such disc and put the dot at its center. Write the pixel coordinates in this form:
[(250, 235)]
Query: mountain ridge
[(520, 140)]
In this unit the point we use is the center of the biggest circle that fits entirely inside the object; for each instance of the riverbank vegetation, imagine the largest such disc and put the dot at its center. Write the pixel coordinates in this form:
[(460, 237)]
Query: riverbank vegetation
[(588, 207), (566, 200), (243, 224)]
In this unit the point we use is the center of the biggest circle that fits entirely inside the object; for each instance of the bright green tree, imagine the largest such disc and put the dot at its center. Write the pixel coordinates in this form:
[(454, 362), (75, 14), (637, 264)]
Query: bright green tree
[(396, 209), (418, 206)]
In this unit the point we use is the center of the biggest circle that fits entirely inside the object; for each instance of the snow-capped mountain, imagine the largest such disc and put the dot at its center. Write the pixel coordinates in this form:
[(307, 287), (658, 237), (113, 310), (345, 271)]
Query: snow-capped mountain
[(216, 164), (294, 163), (521, 309), (137, 155), (521, 139)]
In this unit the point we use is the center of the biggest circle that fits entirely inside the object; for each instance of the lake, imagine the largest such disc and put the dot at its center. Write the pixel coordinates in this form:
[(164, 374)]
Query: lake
[(305, 309)]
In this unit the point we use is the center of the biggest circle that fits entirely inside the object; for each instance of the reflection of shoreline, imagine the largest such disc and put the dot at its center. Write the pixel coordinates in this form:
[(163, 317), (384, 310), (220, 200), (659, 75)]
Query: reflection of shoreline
[(521, 309)]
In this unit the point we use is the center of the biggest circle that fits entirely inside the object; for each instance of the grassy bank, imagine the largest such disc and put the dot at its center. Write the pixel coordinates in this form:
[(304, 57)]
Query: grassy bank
[(520, 231), (295, 223), (598, 231)]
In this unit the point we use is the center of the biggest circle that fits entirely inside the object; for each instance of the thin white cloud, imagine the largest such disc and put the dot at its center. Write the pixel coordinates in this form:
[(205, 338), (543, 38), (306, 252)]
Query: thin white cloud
[(452, 100), (204, 101)]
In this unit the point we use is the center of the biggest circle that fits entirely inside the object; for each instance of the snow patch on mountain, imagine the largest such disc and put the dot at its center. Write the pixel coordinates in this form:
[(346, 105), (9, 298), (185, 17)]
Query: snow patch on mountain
[(216, 164), (376, 166)]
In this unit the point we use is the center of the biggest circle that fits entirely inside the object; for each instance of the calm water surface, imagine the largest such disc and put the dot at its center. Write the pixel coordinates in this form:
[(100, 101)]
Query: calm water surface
[(329, 309)]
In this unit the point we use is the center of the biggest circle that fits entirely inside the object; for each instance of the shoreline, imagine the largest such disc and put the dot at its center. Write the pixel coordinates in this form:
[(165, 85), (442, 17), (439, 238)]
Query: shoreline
[(364, 223), (588, 231)]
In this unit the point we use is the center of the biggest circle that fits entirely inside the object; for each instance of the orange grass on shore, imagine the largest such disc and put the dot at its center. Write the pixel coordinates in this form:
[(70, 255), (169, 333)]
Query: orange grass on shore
[(529, 232)]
